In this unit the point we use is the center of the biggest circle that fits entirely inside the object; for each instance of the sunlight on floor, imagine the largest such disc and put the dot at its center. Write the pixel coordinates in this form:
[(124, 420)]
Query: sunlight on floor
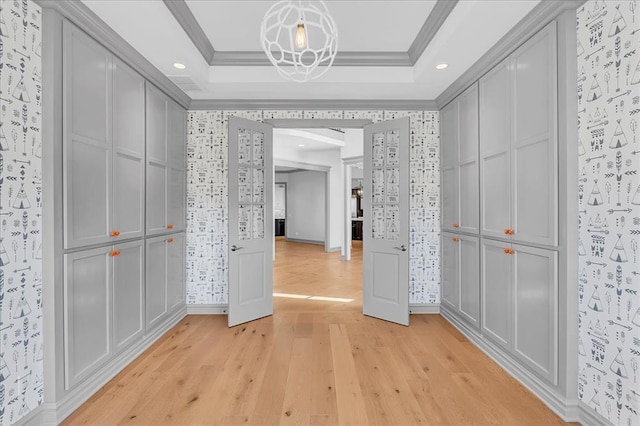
[(321, 298)]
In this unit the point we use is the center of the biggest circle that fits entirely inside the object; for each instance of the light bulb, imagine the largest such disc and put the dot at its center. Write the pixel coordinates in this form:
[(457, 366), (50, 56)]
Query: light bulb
[(301, 37)]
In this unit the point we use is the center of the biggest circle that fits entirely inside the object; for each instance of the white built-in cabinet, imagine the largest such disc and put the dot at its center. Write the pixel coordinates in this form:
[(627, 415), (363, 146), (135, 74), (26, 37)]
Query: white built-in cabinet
[(165, 276), (103, 145), (518, 144), (123, 153), (519, 295), (103, 294), (500, 237), (166, 135), (461, 276), (459, 147)]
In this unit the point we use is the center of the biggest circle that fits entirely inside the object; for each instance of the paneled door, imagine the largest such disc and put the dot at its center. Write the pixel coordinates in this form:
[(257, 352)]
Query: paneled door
[(250, 220), (386, 223)]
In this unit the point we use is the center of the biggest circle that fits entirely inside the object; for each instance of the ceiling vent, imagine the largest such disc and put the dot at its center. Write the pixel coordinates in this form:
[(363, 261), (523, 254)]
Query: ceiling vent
[(185, 83)]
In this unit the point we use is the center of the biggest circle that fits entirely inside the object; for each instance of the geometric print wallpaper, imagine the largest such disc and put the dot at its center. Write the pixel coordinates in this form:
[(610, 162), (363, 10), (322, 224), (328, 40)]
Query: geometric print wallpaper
[(207, 198), (609, 209), (21, 348)]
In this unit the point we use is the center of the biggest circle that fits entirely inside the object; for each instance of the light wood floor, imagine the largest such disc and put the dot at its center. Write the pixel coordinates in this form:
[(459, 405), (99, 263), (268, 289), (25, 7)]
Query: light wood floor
[(313, 362)]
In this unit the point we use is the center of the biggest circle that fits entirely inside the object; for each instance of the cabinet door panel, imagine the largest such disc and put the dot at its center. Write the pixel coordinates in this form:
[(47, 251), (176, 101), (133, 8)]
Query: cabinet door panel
[(156, 198), (87, 195), (156, 113), (468, 125), (128, 297), (468, 189), (156, 280), (534, 158), (450, 268), (470, 279), (495, 157), (176, 271), (87, 139), (87, 310), (176, 135), (449, 149), (497, 297), (129, 147), (536, 307), (176, 214)]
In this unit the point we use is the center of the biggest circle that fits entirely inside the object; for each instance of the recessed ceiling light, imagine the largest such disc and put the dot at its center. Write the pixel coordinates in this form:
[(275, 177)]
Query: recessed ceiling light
[(301, 144), (441, 66), (179, 66)]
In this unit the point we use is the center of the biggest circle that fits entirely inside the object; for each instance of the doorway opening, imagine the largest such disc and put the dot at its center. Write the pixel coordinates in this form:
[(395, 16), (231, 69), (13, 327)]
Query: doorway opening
[(309, 222)]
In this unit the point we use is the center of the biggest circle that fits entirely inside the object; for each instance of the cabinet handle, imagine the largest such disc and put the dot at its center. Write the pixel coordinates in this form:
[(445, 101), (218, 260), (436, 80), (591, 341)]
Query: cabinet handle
[(508, 231), (456, 239), (456, 225), (114, 253), (115, 233), (170, 226), (170, 239), (509, 251)]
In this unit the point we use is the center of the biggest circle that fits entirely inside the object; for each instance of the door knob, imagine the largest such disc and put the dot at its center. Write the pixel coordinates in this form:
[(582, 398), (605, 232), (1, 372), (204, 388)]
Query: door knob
[(401, 248), (236, 248)]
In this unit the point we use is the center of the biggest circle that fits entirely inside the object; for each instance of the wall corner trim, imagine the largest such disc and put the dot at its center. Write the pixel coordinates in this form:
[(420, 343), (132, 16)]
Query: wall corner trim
[(89, 22)]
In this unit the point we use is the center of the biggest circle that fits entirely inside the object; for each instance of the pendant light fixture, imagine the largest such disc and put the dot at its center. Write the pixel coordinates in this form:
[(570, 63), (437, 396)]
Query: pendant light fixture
[(300, 38)]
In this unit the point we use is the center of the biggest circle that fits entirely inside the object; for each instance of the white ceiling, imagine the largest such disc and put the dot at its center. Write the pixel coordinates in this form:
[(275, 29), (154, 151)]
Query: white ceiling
[(305, 140), (368, 26)]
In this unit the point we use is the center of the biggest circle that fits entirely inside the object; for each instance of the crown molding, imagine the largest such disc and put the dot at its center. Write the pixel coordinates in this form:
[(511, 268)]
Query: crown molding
[(430, 28), (83, 17), (191, 27), (181, 12), (533, 22), (343, 59), (313, 104)]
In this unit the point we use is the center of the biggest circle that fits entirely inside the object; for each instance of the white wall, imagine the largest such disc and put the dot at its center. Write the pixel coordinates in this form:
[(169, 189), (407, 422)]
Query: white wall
[(306, 206), (353, 139)]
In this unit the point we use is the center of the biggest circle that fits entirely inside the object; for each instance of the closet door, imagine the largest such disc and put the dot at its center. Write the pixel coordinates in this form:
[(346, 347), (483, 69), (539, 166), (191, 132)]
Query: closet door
[(467, 175), (469, 279), (176, 162), (535, 286), (128, 152), (156, 280), (87, 312), (450, 270), (87, 140), (497, 296), (449, 150), (157, 169), (128, 293), (495, 154), (534, 147), (175, 270)]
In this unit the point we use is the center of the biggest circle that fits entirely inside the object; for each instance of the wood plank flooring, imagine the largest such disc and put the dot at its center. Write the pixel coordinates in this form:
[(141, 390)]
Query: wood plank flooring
[(316, 361)]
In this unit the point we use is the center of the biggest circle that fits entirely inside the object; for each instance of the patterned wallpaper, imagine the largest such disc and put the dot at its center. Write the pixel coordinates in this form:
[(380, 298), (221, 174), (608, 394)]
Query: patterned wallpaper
[(21, 348), (207, 190), (609, 197)]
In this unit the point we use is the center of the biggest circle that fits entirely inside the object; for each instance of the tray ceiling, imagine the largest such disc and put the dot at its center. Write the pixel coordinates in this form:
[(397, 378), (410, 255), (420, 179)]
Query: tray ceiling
[(386, 51)]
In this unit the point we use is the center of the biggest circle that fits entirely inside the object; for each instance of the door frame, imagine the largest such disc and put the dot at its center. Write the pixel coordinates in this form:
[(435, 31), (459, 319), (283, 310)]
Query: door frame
[(347, 163), (327, 205), (309, 123)]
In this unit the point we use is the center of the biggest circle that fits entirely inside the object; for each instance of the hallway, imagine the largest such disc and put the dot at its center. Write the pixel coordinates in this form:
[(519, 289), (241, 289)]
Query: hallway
[(314, 362)]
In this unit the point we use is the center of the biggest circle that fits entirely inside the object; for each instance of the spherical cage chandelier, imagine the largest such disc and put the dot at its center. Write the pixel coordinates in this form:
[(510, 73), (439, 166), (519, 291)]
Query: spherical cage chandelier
[(300, 39)]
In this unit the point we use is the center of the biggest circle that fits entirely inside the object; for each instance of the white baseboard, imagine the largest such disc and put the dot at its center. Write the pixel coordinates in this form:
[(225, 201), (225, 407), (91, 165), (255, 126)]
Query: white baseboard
[(431, 308), (207, 309), (43, 415), (52, 414), (567, 410), (298, 240), (589, 417), (334, 249)]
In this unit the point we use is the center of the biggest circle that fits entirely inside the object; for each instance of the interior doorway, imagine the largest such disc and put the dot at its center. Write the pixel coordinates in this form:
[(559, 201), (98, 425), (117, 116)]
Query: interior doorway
[(309, 268)]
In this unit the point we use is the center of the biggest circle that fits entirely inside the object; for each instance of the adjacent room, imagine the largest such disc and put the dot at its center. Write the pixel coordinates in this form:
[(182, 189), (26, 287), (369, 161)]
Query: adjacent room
[(265, 212)]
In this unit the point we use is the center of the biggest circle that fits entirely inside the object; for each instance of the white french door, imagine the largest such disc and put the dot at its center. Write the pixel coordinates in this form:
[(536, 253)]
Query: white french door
[(386, 221), (250, 220)]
